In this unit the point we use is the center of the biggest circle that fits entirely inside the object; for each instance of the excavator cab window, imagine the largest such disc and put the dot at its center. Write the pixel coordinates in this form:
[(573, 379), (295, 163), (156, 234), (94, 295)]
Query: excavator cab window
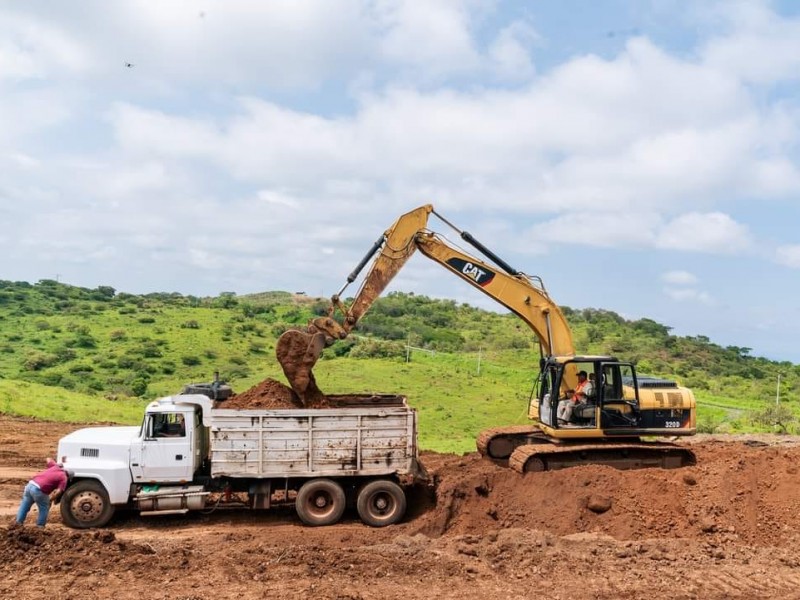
[(550, 382), (619, 396)]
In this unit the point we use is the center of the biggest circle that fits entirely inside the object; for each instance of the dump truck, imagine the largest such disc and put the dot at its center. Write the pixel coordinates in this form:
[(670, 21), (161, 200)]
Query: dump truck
[(191, 453)]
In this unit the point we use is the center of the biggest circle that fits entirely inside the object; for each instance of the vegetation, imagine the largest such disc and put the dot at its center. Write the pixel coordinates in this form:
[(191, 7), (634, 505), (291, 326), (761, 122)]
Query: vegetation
[(77, 354)]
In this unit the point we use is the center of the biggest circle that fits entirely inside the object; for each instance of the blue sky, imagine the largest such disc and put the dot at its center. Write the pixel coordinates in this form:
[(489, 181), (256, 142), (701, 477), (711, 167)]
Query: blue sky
[(640, 157)]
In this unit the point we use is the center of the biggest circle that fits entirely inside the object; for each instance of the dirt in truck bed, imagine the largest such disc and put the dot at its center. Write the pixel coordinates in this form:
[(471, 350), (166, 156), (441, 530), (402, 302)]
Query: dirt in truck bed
[(725, 528), (269, 394), (274, 395)]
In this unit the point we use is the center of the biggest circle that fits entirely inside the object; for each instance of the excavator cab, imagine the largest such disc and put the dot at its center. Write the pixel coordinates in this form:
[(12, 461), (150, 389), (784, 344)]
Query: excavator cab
[(588, 393)]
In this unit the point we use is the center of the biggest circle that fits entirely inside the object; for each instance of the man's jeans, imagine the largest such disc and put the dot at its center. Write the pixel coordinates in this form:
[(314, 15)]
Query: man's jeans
[(31, 495)]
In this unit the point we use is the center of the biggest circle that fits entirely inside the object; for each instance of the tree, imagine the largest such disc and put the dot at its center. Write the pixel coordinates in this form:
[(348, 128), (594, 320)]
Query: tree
[(106, 291)]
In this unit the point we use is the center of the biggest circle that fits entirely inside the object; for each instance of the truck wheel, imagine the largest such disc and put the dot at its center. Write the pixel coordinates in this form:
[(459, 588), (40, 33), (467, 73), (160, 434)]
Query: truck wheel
[(320, 502), (381, 503), (85, 504)]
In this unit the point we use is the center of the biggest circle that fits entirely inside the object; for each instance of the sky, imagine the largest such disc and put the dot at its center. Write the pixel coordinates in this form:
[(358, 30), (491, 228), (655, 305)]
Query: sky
[(640, 157)]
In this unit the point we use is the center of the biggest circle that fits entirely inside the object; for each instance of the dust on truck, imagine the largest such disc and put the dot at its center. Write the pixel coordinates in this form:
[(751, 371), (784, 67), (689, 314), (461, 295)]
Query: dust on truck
[(188, 455)]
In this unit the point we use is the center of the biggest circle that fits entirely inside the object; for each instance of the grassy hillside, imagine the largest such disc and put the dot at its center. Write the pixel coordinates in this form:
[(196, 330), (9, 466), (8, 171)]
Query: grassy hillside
[(76, 354)]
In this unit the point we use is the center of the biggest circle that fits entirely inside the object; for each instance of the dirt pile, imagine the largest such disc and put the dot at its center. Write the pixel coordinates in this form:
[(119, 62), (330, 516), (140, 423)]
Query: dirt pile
[(269, 395), (273, 395), (736, 492), (54, 550)]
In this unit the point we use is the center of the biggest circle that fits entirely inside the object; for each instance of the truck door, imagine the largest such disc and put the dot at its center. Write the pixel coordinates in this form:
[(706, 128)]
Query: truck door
[(166, 449)]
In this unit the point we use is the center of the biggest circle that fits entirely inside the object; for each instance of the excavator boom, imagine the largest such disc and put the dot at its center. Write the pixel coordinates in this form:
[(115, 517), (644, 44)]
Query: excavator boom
[(298, 351)]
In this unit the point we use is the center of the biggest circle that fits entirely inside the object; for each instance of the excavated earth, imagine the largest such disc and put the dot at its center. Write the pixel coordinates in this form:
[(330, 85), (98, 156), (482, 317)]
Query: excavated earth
[(269, 394), (726, 528)]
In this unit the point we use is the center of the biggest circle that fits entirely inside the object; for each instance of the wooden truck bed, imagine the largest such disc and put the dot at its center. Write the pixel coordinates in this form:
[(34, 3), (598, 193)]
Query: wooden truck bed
[(360, 436)]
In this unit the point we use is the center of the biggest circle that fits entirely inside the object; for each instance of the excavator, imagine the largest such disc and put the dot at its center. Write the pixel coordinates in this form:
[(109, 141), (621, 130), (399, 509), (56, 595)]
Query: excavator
[(618, 422)]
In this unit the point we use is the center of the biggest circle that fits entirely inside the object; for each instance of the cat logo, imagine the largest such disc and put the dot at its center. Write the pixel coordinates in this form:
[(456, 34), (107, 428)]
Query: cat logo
[(480, 275)]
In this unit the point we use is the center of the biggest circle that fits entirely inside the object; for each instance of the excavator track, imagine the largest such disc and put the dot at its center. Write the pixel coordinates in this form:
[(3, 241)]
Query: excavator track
[(499, 443), (620, 455)]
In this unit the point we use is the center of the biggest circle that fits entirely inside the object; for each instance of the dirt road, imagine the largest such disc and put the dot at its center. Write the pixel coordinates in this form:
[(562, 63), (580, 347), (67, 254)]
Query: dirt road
[(727, 528)]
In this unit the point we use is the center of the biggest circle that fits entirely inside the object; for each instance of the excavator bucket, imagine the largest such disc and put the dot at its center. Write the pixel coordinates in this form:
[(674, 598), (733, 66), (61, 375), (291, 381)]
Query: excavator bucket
[(297, 353)]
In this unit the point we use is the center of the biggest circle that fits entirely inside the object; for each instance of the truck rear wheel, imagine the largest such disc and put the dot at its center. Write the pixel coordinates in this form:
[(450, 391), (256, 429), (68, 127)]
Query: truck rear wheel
[(381, 503), (320, 502), (85, 504)]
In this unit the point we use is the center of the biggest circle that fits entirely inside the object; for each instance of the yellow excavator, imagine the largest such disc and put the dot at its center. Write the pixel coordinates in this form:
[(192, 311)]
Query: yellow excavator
[(603, 424)]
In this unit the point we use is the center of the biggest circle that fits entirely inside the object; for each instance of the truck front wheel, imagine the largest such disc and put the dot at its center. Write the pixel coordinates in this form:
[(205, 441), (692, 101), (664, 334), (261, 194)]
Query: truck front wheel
[(85, 504), (320, 502), (381, 503)]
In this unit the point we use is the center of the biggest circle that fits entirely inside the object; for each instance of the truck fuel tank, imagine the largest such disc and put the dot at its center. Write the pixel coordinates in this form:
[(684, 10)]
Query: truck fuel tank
[(159, 499)]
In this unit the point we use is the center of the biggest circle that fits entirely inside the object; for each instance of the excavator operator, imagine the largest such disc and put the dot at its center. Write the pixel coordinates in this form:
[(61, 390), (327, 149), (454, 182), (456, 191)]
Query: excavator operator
[(579, 395)]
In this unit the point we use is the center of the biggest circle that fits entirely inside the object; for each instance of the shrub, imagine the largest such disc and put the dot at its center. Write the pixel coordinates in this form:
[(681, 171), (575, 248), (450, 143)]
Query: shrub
[(190, 324), (256, 348), (151, 350), (83, 340), (39, 360), (168, 368), (118, 335), (775, 415), (147, 320), (139, 386), (377, 349), (190, 360), (236, 372)]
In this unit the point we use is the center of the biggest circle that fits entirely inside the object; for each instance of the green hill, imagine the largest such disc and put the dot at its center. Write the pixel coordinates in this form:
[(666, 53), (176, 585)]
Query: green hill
[(468, 368)]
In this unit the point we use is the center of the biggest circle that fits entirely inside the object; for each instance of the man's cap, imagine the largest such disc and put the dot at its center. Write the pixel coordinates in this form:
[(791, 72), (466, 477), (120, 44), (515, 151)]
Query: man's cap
[(581, 373)]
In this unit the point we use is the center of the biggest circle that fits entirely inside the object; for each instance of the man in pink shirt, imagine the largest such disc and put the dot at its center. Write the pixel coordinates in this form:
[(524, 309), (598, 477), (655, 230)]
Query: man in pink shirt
[(53, 480)]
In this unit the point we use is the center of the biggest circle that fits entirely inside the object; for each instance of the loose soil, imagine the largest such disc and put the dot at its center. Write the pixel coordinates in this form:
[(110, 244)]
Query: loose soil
[(726, 528), (269, 394)]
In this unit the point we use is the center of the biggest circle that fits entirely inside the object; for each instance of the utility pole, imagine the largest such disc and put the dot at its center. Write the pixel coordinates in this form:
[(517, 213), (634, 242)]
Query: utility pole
[(480, 351), (778, 391)]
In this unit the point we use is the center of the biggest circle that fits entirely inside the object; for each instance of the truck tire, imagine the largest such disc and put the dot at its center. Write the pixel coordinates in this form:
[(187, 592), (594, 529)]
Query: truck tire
[(320, 502), (85, 504), (381, 503)]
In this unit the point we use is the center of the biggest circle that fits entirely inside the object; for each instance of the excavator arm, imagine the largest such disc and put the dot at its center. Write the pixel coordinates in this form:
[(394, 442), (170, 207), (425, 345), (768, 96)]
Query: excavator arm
[(523, 295)]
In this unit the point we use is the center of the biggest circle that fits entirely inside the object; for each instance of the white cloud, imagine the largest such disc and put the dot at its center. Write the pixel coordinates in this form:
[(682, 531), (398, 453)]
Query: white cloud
[(690, 295), (761, 48), (605, 230), (705, 232), (789, 256), (31, 48), (510, 52), (679, 278), (22, 160), (432, 37)]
